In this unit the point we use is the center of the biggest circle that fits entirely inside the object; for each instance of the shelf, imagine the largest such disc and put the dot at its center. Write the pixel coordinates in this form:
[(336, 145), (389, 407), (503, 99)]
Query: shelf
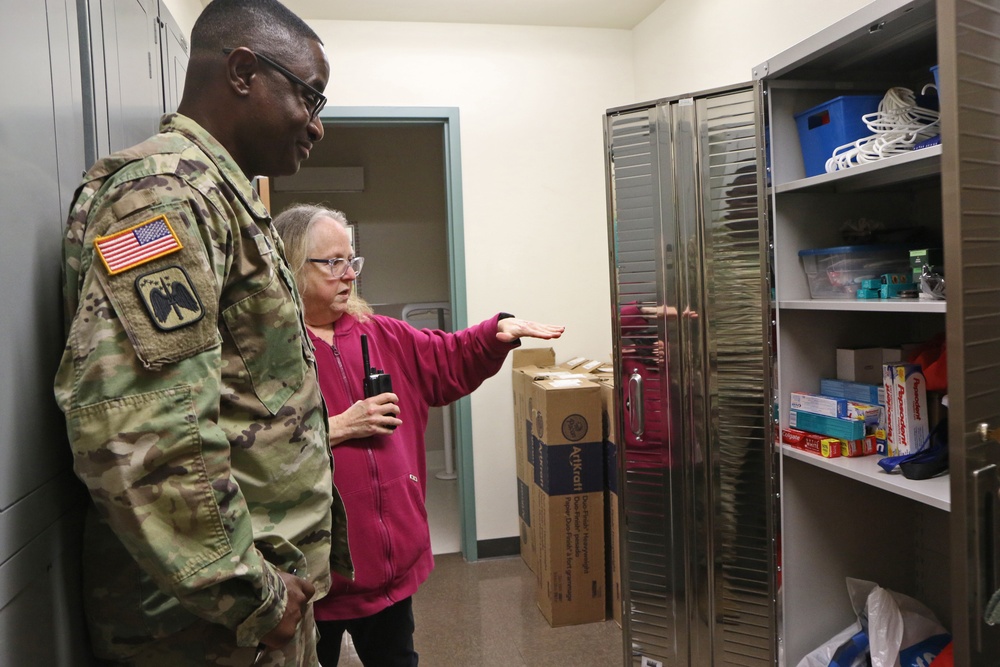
[(935, 492), (898, 169), (868, 305)]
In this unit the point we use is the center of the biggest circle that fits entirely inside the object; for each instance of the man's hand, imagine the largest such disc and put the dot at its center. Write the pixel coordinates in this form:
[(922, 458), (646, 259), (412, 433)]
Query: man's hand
[(510, 329), (299, 593)]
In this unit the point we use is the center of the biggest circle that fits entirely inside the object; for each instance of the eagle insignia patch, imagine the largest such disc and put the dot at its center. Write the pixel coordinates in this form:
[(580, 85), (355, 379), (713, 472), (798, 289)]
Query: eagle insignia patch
[(170, 298)]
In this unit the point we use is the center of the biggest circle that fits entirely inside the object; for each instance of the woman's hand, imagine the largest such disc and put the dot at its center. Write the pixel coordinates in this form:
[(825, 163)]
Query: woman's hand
[(510, 329), (372, 416)]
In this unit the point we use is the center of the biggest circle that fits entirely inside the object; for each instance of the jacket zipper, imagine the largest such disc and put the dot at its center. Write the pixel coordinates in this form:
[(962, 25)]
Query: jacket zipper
[(373, 465), (343, 371)]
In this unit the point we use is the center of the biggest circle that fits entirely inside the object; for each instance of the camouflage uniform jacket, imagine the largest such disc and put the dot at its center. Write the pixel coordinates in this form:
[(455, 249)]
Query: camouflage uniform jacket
[(190, 392)]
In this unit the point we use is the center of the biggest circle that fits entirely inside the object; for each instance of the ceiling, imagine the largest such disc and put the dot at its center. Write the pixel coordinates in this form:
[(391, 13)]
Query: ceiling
[(623, 14)]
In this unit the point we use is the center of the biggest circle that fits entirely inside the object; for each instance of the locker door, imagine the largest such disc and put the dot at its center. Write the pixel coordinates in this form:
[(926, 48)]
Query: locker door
[(968, 42), (741, 513), (174, 56), (41, 129), (124, 56), (642, 246)]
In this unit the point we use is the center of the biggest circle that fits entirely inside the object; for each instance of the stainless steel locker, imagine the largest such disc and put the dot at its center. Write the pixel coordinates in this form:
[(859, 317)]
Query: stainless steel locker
[(696, 466)]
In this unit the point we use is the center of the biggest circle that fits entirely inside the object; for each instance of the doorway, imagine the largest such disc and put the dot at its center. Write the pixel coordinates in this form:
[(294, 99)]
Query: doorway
[(396, 174)]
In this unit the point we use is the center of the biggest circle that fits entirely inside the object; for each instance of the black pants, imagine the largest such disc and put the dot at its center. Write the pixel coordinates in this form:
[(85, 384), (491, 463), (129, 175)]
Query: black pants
[(384, 639)]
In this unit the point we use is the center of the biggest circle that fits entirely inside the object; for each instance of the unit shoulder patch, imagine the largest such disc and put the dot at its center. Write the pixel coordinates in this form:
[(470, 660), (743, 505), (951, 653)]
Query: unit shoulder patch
[(170, 298), (141, 243)]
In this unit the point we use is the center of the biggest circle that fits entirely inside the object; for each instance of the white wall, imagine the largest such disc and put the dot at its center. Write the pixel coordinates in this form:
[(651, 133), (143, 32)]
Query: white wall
[(185, 12), (685, 47), (531, 102)]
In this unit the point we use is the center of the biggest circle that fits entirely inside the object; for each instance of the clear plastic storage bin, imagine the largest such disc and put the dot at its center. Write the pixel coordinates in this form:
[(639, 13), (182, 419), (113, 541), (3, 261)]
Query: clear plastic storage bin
[(836, 273)]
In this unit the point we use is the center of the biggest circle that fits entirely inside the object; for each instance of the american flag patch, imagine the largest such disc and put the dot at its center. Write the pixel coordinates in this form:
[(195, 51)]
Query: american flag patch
[(137, 245)]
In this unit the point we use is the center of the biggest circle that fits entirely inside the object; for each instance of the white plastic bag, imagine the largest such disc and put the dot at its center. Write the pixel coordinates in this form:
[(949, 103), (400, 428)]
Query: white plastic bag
[(892, 630), (902, 631), (822, 656)]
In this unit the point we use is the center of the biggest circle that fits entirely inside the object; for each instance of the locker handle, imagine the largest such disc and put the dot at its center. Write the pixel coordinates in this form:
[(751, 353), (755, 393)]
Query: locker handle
[(984, 546), (636, 420)]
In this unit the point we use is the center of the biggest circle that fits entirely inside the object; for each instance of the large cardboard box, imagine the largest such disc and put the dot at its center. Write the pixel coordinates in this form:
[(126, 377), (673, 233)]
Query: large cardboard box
[(569, 481), (528, 363), (612, 547)]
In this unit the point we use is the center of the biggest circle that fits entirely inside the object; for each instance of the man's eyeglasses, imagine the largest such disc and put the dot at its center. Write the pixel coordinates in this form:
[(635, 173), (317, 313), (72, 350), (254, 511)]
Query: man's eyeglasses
[(338, 266), (314, 98)]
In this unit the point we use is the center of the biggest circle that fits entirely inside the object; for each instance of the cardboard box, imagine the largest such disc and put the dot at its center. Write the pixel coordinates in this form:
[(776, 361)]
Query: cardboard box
[(864, 365), (569, 501), (528, 364), (612, 546), (579, 364), (605, 371)]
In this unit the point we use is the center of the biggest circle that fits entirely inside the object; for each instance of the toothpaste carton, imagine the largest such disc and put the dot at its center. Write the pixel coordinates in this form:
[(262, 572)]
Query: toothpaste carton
[(873, 394), (818, 404), (846, 428), (862, 447), (880, 431), (909, 407), (811, 442), (888, 381), (871, 415), (862, 393)]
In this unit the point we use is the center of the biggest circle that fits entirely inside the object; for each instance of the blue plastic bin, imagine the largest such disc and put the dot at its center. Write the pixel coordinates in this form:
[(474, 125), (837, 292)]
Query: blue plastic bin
[(937, 83), (831, 124)]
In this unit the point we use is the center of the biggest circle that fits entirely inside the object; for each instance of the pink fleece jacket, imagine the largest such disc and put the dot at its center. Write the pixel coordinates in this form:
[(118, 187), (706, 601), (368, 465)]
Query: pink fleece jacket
[(382, 479)]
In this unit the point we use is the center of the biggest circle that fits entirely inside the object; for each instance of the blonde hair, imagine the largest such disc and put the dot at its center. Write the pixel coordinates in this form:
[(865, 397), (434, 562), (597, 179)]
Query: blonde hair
[(295, 225)]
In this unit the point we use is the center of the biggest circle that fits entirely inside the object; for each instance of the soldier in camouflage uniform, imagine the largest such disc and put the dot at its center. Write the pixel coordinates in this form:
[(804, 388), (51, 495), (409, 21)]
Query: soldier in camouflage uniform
[(188, 383)]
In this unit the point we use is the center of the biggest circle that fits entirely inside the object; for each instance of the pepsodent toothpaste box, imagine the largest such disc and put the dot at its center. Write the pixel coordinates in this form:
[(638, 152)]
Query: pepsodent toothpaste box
[(891, 439), (906, 405)]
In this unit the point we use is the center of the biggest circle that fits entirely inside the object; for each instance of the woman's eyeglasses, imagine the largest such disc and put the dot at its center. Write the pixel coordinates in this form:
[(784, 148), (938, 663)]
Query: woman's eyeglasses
[(338, 266)]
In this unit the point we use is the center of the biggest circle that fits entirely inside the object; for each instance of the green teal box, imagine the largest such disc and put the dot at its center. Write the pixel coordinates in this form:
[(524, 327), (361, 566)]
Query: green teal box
[(845, 429)]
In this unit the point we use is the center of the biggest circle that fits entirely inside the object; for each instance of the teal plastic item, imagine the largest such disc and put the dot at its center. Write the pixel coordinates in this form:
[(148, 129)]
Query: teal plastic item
[(847, 429)]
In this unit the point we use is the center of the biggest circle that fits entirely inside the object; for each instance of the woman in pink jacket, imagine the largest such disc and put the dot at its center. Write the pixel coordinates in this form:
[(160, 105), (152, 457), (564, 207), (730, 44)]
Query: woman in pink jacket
[(378, 442)]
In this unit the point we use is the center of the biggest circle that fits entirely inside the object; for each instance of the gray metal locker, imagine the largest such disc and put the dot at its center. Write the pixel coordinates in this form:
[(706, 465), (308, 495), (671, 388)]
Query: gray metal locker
[(174, 56), (50, 133), (122, 64), (41, 131)]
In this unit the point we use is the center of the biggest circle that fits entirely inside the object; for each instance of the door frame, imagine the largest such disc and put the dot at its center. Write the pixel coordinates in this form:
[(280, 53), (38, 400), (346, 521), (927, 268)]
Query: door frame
[(447, 117)]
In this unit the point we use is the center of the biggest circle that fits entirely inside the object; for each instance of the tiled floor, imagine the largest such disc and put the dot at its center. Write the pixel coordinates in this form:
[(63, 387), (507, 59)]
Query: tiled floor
[(484, 614)]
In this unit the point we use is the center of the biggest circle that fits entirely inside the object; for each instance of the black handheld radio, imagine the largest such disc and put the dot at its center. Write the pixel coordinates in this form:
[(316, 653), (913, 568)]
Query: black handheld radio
[(376, 382)]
